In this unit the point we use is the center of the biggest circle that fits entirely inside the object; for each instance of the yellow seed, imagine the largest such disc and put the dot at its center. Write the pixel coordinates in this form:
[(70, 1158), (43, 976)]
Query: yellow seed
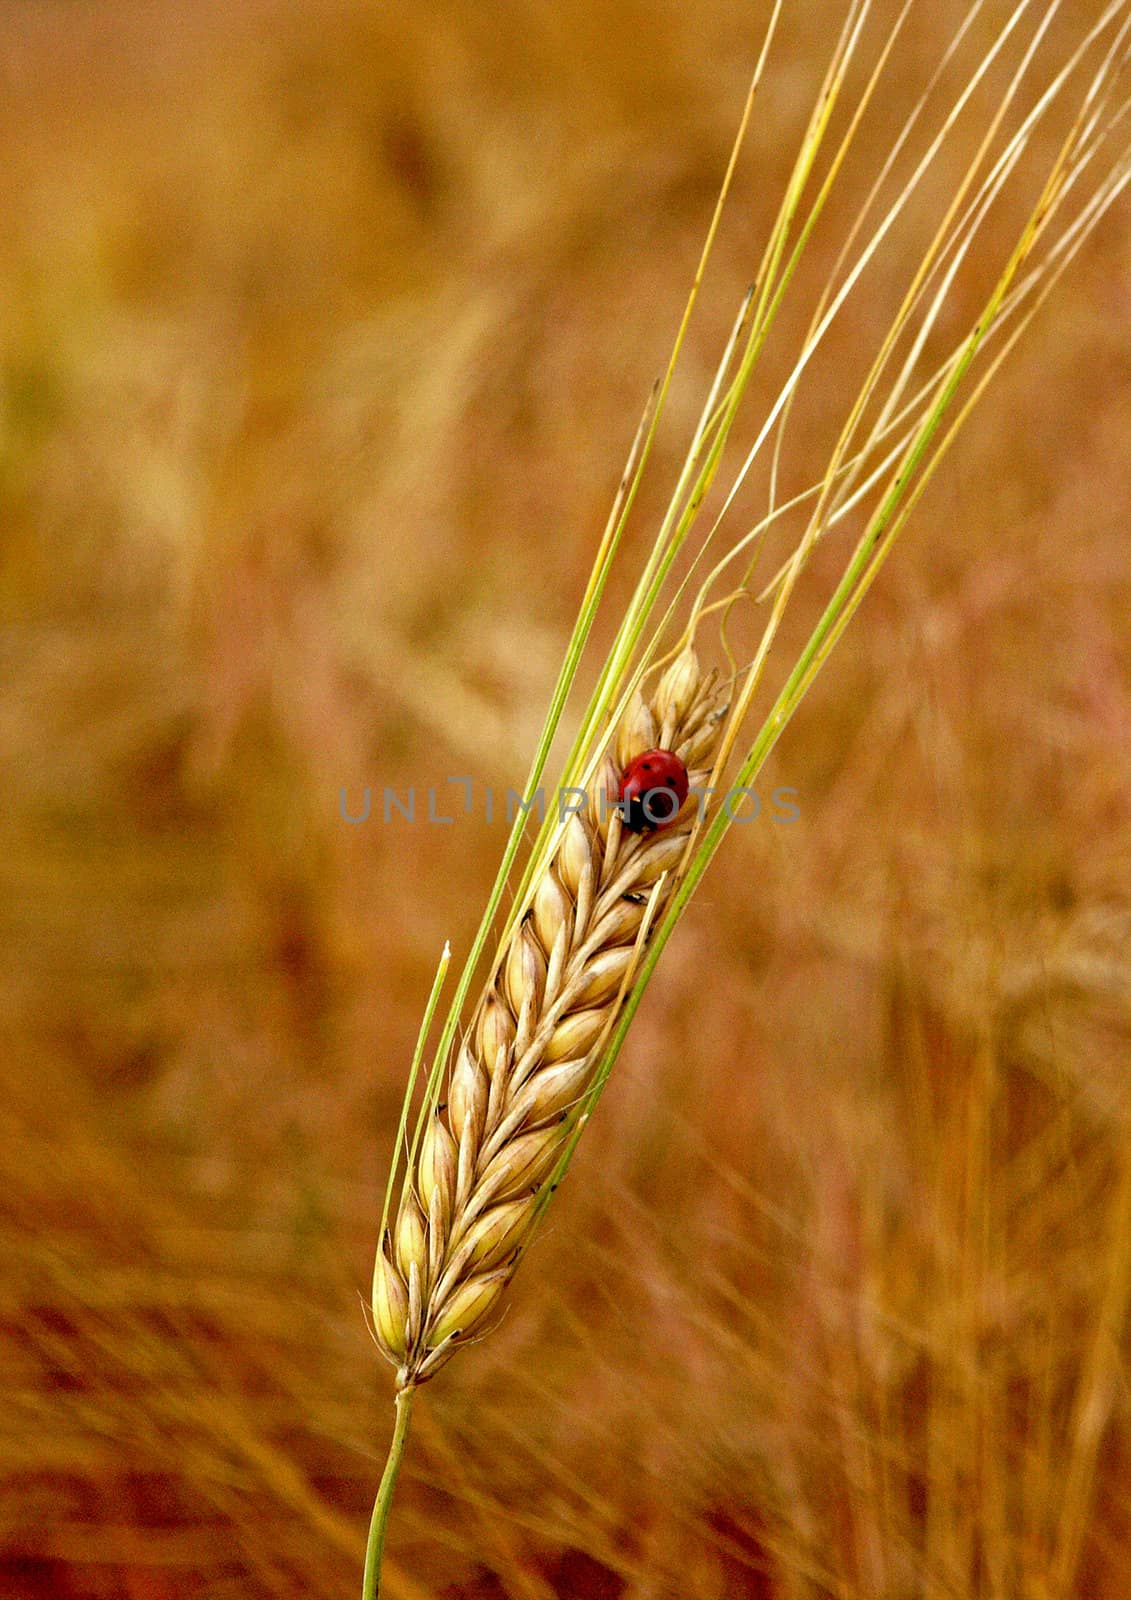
[(523, 1163), (411, 1235), (437, 1167), (573, 854), (467, 1096), (495, 1032), (468, 1305), (677, 689), (662, 855), (620, 925), (390, 1306), (524, 976), (551, 1090), (637, 733), (551, 911), (576, 1036), (602, 977), (492, 1237)]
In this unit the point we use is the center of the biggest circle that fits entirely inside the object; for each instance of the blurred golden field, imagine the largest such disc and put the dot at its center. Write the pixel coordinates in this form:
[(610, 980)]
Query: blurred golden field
[(325, 330)]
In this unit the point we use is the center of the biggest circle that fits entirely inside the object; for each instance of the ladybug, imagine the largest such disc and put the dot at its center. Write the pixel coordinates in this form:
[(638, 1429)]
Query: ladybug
[(652, 789)]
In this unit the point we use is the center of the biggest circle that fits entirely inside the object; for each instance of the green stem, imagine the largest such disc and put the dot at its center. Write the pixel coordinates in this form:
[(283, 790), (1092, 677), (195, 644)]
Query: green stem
[(374, 1549)]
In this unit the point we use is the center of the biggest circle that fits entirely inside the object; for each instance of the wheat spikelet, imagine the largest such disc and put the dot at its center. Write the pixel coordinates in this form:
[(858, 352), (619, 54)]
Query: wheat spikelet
[(521, 1075)]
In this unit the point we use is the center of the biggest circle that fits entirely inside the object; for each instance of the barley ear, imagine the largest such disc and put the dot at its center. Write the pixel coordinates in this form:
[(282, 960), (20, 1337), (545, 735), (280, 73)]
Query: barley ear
[(528, 1064)]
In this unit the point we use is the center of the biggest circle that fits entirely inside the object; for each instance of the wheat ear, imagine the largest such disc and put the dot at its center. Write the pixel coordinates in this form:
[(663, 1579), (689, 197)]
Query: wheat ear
[(527, 1069)]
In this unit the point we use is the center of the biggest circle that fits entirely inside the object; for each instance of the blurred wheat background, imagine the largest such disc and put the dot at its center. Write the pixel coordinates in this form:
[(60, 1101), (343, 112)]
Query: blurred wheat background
[(325, 329)]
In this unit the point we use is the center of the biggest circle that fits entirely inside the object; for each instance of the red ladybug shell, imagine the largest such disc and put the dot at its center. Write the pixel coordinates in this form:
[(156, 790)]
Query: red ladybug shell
[(652, 789)]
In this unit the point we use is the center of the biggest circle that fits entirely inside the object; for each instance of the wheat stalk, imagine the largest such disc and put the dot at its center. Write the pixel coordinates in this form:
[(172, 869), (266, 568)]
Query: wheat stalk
[(523, 1075), (597, 901)]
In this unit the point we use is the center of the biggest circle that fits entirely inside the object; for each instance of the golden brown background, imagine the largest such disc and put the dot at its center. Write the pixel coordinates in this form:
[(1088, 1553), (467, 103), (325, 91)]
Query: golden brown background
[(325, 330)]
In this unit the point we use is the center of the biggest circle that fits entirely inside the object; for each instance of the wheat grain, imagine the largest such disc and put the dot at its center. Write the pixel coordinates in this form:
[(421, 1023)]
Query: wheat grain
[(523, 1072)]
